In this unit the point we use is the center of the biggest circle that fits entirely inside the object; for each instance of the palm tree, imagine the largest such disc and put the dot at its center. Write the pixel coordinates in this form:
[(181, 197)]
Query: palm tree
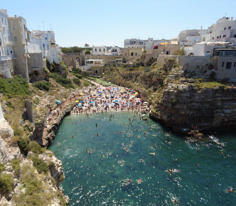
[(86, 45)]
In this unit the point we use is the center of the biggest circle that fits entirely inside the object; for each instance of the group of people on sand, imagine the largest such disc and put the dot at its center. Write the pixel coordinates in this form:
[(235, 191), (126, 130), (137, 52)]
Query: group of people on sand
[(100, 99)]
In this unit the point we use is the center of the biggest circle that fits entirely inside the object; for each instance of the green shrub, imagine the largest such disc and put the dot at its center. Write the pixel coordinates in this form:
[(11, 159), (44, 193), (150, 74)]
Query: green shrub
[(24, 145), (174, 102), (86, 84), (180, 52), (76, 71), (78, 76), (15, 86), (16, 166), (42, 85), (2, 167), (6, 183), (76, 81), (40, 165), (36, 148), (87, 52), (61, 80), (18, 132), (61, 178), (48, 64)]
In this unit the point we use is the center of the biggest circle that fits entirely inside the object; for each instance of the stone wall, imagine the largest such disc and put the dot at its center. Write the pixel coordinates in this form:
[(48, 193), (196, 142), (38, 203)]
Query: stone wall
[(6, 68), (35, 60)]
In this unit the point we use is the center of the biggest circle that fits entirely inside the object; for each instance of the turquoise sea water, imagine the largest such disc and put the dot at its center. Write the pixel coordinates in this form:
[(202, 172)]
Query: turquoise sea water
[(95, 180)]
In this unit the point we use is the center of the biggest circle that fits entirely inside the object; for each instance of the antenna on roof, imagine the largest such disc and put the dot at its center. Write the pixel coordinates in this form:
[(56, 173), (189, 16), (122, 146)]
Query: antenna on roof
[(43, 25)]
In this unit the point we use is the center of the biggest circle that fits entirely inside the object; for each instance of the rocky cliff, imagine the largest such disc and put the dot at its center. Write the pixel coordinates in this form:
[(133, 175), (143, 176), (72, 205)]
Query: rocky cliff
[(182, 103)]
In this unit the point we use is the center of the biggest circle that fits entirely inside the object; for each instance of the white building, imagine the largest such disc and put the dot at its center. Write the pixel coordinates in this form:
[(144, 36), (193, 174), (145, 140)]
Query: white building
[(44, 42), (92, 63), (105, 51), (223, 31), (143, 44), (6, 43), (99, 50)]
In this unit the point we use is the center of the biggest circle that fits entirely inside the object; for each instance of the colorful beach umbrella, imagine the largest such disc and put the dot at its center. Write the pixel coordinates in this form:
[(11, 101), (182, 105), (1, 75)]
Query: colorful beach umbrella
[(79, 105), (91, 102), (58, 101), (76, 101), (116, 100), (81, 101)]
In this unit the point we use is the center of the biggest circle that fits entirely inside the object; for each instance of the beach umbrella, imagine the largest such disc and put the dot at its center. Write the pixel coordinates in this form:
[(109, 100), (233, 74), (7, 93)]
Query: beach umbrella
[(94, 92), (99, 92), (116, 100), (106, 103), (112, 104), (134, 91), (81, 94), (81, 101), (79, 105), (58, 101), (91, 102), (76, 101), (114, 88), (131, 90)]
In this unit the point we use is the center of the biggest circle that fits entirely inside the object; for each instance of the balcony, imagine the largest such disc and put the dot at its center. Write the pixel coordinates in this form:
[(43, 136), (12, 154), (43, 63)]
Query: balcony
[(2, 58), (10, 43)]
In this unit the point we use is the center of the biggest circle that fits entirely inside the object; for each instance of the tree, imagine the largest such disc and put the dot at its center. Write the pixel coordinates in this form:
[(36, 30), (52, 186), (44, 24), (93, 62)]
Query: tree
[(86, 45), (87, 52), (180, 52)]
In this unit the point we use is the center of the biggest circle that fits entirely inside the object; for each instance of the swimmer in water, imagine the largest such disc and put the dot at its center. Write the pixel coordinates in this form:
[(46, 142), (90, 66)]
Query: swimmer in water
[(97, 134), (86, 149), (89, 152), (69, 148), (139, 181), (231, 190), (141, 160), (72, 136), (92, 149), (101, 156), (59, 143), (196, 164), (96, 124)]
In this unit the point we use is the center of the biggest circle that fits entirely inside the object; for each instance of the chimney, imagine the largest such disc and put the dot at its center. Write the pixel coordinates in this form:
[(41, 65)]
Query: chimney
[(15, 16), (232, 18)]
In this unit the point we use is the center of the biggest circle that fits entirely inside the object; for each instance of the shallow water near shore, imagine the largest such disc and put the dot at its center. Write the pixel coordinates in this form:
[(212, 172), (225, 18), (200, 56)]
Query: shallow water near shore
[(93, 179)]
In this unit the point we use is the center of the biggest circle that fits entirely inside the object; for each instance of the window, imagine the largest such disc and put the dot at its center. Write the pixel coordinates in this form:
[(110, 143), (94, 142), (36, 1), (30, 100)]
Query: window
[(46, 38), (44, 46), (228, 65), (104, 50), (229, 27), (212, 38), (220, 36), (234, 64), (223, 64), (95, 50), (135, 54), (15, 38), (224, 36), (224, 28), (5, 21), (217, 37), (234, 35), (203, 39), (99, 50), (14, 27)]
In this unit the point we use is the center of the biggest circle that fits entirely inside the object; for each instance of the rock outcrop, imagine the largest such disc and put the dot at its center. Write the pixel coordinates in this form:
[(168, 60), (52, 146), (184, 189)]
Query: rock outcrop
[(185, 106), (5, 129)]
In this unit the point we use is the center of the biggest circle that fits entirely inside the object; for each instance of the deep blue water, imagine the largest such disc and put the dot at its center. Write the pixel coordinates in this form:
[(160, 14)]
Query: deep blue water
[(95, 180)]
